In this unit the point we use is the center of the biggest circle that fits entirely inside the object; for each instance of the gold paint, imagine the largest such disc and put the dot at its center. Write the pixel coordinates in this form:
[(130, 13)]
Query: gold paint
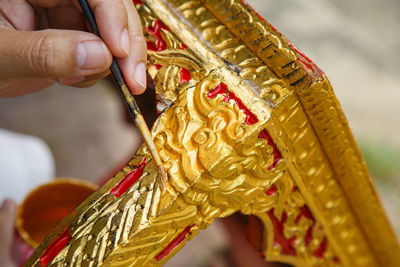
[(216, 163), (144, 130)]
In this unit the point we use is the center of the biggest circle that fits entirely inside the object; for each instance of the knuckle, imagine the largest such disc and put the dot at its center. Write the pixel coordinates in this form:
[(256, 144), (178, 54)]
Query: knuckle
[(41, 54)]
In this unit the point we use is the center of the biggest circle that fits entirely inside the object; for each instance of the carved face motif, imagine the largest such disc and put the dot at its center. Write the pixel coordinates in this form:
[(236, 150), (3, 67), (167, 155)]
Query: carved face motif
[(210, 138)]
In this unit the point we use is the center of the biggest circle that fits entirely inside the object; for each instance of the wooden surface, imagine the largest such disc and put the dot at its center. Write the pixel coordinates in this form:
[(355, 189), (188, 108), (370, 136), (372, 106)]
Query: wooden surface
[(273, 142)]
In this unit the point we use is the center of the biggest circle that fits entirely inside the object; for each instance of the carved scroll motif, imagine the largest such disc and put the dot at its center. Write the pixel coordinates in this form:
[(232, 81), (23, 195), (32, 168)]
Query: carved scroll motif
[(234, 135)]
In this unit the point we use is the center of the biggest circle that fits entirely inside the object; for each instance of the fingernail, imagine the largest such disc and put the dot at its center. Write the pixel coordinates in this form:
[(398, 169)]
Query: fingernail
[(71, 80), (140, 74), (125, 41), (91, 55)]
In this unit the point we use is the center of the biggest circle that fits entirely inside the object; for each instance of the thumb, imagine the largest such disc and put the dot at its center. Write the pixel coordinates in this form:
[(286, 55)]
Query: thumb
[(51, 54)]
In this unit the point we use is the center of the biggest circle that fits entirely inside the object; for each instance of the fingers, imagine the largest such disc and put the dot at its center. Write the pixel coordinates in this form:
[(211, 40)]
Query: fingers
[(111, 18), (112, 21), (70, 57), (46, 3), (121, 29), (134, 66), (52, 54), (7, 214), (66, 17)]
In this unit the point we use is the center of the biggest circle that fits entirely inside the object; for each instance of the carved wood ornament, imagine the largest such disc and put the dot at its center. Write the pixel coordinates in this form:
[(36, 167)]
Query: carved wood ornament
[(247, 123)]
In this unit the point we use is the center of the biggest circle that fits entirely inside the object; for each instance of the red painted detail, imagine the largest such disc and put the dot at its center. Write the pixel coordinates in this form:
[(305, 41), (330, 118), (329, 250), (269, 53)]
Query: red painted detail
[(294, 189), (336, 260), (309, 234), (55, 247), (182, 46), (272, 27), (305, 64), (128, 180), (158, 66), (137, 2), (305, 212), (184, 76), (161, 45), (302, 55), (151, 46), (255, 233), (111, 174), (272, 190), (155, 31), (308, 64), (259, 16), (287, 244), (222, 88), (177, 240), (320, 251), (264, 134)]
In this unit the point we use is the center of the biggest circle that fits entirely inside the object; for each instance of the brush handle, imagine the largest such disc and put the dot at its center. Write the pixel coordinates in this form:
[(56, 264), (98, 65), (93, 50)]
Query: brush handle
[(124, 90), (115, 70)]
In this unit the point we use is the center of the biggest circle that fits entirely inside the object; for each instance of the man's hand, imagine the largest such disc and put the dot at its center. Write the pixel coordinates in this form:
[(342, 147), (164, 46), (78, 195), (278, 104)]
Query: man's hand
[(7, 215), (46, 41)]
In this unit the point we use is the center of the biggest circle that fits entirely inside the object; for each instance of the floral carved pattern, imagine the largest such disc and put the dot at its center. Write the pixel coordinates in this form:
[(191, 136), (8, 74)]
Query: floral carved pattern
[(237, 131)]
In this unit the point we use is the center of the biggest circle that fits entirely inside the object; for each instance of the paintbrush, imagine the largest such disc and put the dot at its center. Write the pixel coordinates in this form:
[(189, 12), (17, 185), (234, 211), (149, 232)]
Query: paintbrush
[(129, 100)]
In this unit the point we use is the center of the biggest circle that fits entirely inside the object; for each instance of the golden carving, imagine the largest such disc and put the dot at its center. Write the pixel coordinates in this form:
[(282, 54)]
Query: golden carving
[(248, 124)]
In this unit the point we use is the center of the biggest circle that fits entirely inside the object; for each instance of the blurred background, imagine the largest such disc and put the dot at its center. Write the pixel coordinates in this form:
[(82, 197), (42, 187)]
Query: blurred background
[(355, 42)]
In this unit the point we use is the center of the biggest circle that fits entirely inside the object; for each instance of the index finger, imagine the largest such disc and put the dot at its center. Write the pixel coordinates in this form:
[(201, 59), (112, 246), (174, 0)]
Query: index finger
[(112, 21)]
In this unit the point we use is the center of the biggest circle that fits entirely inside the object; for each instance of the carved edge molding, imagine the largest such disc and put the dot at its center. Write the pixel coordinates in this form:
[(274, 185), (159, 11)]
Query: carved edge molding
[(342, 150), (315, 93)]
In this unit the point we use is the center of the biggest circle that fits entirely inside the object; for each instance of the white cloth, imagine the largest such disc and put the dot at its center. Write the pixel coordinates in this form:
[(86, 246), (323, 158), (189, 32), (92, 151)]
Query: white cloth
[(25, 163)]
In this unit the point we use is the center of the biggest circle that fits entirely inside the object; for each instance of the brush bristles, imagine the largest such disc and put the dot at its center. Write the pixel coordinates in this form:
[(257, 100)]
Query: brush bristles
[(162, 177)]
